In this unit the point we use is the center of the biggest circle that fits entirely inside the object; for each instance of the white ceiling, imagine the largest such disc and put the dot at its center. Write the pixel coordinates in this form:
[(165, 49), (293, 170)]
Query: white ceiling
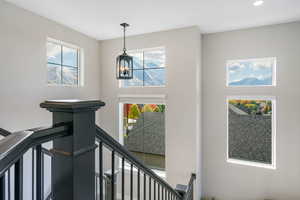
[(101, 18)]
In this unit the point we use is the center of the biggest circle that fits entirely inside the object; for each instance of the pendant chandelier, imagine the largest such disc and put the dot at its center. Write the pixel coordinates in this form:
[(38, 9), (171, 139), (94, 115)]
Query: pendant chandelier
[(124, 61)]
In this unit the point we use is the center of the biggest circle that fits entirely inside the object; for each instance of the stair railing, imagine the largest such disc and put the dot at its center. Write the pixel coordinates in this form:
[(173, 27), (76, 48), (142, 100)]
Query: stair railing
[(12, 149), (153, 186), (189, 194), (75, 138)]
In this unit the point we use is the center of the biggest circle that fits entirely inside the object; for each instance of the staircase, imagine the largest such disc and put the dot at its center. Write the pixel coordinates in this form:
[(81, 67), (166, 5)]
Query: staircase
[(86, 162)]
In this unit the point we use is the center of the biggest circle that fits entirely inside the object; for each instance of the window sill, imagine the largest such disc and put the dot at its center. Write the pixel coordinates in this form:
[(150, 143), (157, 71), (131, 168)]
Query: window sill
[(252, 164), (63, 85), (249, 86), (150, 86)]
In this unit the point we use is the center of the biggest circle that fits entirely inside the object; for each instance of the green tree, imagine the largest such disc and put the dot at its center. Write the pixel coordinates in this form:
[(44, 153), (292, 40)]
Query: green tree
[(134, 112), (161, 107), (156, 109), (252, 107), (147, 108)]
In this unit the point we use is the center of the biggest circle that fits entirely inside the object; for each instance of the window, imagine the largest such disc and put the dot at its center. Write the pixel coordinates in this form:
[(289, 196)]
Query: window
[(143, 133), (148, 68), (63, 63), (251, 120), (251, 131), (251, 72)]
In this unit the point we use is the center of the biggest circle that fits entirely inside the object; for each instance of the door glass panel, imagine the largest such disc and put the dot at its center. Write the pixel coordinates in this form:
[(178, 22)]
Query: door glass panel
[(144, 133)]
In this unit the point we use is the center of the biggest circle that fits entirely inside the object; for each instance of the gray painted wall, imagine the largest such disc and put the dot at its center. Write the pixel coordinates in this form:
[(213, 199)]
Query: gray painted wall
[(182, 93), (23, 74), (23, 68), (23, 87), (228, 181)]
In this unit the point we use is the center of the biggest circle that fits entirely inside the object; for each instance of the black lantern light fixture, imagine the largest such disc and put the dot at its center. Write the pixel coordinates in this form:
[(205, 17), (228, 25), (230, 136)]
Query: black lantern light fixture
[(124, 61)]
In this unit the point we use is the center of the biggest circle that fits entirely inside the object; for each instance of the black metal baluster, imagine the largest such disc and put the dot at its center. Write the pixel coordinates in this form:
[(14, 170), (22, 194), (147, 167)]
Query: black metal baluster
[(158, 192), (145, 186), (19, 179), (138, 185), (2, 187), (166, 193), (131, 182), (192, 191), (8, 184), (154, 186), (101, 170), (96, 184), (123, 178), (32, 173), (149, 188), (162, 193), (51, 191), (39, 173), (113, 175)]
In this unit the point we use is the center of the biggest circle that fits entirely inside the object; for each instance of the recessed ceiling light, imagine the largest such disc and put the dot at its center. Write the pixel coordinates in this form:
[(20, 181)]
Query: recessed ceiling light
[(258, 3)]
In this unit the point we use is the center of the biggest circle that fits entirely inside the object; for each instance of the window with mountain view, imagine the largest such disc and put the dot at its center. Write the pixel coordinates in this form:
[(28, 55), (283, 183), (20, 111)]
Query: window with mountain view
[(148, 68), (63, 63), (144, 133), (251, 72), (251, 133)]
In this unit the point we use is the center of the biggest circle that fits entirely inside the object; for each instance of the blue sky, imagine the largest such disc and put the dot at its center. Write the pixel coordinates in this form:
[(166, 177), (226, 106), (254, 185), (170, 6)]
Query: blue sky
[(260, 69)]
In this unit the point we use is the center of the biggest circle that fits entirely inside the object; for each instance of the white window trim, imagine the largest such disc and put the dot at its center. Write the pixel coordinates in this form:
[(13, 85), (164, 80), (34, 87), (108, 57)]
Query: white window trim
[(147, 86), (250, 163), (274, 74), (80, 60), (138, 99), (143, 99)]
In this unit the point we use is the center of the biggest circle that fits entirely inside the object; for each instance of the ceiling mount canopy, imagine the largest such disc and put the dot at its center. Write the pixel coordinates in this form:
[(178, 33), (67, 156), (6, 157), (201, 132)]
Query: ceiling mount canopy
[(124, 61)]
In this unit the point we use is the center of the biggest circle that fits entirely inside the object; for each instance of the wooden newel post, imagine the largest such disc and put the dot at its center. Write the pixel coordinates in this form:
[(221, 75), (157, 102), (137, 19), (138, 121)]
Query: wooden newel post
[(73, 166)]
